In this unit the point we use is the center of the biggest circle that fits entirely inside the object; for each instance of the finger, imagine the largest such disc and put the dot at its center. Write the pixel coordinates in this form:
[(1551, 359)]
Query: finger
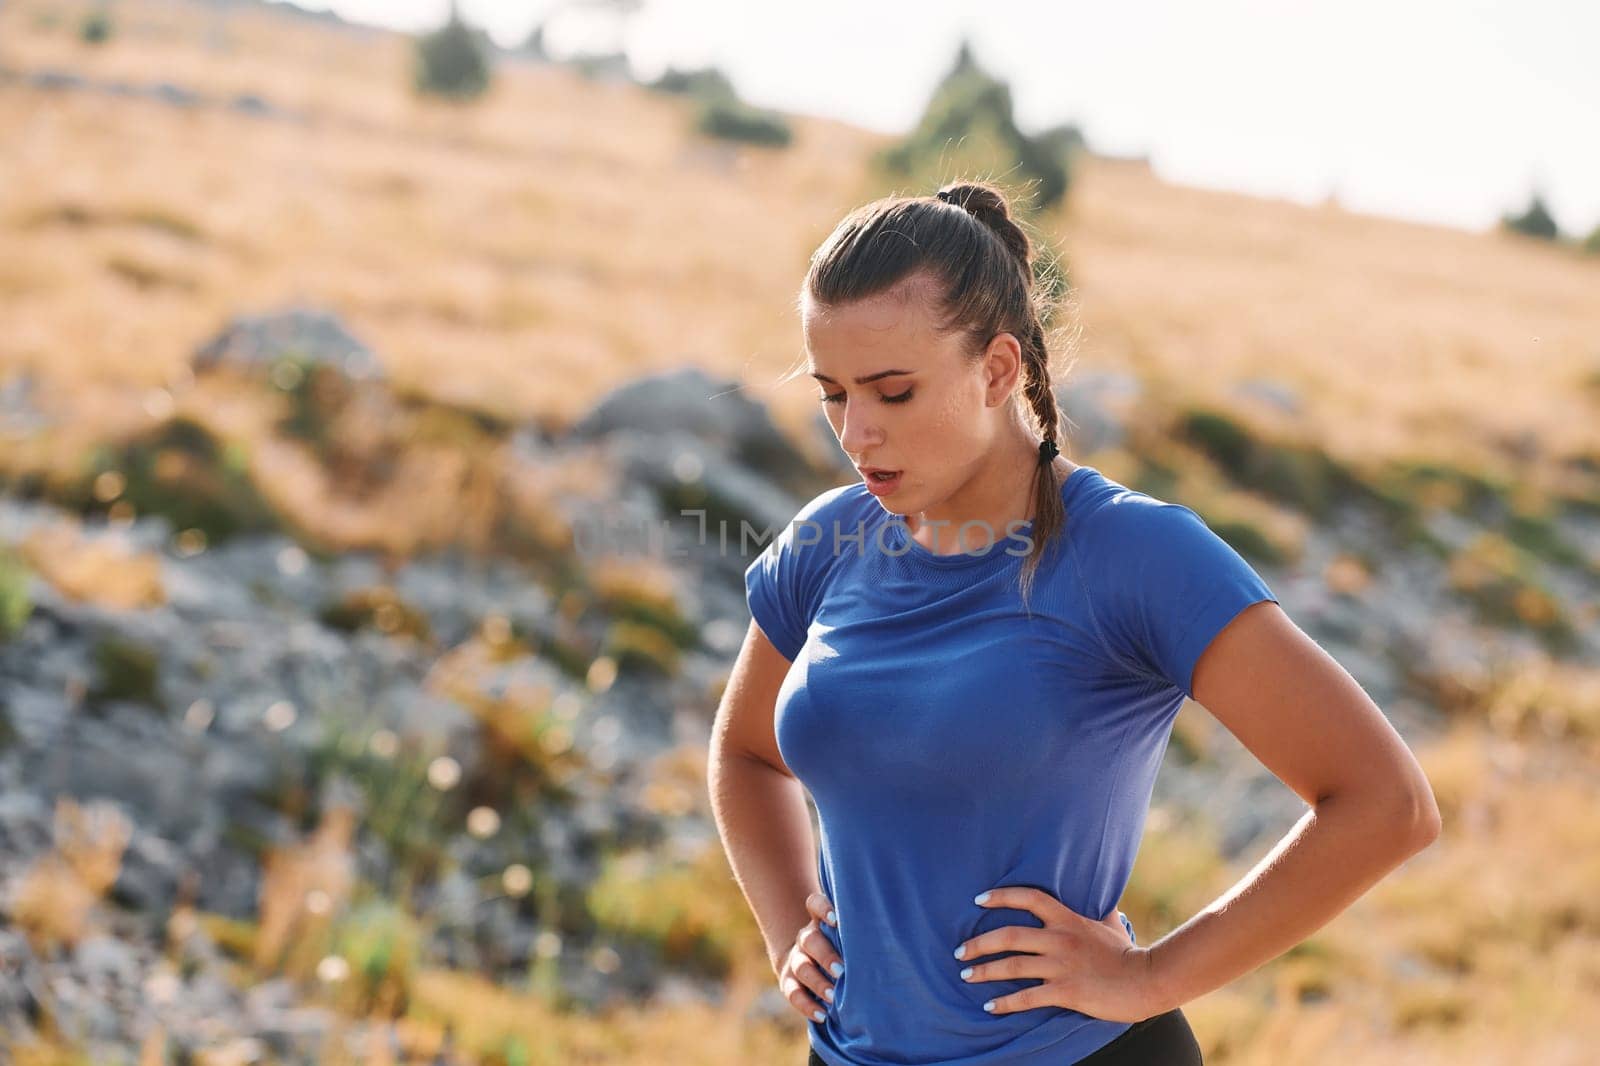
[(1009, 938), (1027, 999), (801, 999), (1010, 969), (811, 975), (816, 945), (819, 907), (1043, 905)]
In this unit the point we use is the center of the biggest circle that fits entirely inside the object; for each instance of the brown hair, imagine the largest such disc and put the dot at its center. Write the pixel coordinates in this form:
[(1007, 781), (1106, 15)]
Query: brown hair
[(981, 262)]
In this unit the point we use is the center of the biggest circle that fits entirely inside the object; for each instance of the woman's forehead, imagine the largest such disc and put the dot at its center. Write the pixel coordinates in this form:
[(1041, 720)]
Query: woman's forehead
[(890, 321)]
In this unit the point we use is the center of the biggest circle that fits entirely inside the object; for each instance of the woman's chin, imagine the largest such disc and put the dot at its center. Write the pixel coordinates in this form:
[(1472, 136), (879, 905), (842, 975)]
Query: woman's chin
[(896, 506)]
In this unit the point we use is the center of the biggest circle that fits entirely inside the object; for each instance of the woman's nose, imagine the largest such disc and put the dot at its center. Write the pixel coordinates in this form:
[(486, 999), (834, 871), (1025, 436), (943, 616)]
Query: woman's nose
[(857, 434)]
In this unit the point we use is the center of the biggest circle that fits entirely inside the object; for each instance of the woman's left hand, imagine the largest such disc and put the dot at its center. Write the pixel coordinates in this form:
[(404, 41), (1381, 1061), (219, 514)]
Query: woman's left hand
[(1087, 965)]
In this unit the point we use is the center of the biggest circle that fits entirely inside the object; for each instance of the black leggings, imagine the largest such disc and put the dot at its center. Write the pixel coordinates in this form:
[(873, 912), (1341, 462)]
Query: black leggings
[(1159, 1040)]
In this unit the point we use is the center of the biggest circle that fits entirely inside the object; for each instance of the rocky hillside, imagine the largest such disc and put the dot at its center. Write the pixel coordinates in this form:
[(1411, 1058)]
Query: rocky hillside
[(359, 634), (501, 721)]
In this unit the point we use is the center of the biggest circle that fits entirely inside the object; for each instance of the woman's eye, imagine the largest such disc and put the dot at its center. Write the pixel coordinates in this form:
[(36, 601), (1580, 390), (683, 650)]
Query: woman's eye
[(840, 397)]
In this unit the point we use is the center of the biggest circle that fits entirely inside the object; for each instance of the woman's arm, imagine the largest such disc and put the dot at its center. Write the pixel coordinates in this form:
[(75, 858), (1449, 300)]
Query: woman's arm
[(1308, 721), (759, 806)]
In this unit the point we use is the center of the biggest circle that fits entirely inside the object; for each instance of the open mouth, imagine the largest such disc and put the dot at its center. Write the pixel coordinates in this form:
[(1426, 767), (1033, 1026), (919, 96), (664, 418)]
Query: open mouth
[(881, 482)]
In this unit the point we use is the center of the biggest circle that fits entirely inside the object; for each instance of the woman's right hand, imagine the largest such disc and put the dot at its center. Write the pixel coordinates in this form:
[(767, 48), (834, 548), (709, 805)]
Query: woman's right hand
[(811, 966)]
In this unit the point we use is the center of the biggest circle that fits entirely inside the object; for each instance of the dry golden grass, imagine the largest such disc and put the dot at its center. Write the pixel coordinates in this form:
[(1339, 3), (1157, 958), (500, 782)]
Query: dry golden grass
[(486, 1018), (103, 571), (485, 252), (1485, 948), (1401, 338), (304, 888), (47, 1051), (54, 900)]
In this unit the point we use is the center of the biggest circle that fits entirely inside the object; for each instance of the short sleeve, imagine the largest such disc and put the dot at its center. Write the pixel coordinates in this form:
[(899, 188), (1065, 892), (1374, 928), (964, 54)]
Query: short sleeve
[(783, 583), (1165, 584)]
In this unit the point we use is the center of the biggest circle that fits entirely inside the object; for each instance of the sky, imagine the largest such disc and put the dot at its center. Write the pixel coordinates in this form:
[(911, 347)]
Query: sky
[(1442, 111)]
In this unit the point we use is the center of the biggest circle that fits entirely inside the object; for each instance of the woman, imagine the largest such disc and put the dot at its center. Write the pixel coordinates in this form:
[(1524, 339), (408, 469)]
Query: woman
[(972, 659)]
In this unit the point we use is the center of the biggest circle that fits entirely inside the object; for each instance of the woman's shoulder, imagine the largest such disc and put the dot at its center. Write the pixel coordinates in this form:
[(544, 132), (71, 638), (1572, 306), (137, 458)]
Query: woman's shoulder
[(1105, 509), (1115, 530)]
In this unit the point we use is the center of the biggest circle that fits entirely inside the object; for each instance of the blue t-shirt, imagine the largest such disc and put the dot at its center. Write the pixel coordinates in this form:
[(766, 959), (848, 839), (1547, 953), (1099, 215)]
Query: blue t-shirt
[(951, 743)]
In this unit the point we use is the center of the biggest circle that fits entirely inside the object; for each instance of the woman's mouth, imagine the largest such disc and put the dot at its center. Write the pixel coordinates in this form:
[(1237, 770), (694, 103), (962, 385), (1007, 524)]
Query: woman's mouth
[(881, 483)]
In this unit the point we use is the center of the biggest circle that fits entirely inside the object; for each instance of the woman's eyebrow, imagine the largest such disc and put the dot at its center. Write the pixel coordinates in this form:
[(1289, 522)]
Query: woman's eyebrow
[(862, 380)]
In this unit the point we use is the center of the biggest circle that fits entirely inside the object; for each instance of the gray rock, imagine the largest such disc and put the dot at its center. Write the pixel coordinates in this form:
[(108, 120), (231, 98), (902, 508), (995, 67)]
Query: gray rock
[(686, 472), (1095, 403), (24, 996), (1275, 394), (256, 342), (25, 825), (714, 410), (55, 80), (175, 95), (20, 413), (107, 961), (149, 875), (251, 104)]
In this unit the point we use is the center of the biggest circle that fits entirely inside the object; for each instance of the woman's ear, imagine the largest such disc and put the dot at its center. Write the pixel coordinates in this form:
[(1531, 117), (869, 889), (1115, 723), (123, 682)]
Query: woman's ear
[(1002, 363)]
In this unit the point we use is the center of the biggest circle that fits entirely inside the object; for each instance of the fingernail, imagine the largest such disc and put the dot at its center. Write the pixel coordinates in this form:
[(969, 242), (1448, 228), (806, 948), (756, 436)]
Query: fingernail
[(966, 973), (833, 919), (827, 994), (989, 1006), (961, 952), (836, 967), (980, 897), (821, 1017)]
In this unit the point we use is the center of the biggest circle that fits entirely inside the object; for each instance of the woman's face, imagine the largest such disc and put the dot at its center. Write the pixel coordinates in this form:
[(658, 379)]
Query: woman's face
[(903, 398)]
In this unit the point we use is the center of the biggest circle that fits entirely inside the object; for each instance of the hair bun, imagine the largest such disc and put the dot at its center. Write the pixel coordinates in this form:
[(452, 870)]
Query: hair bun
[(987, 205)]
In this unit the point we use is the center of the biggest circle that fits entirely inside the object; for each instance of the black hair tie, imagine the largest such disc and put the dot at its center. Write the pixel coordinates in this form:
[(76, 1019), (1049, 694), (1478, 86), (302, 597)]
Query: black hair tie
[(1048, 450)]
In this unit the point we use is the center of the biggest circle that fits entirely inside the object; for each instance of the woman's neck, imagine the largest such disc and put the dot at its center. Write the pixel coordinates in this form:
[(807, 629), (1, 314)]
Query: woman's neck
[(999, 493)]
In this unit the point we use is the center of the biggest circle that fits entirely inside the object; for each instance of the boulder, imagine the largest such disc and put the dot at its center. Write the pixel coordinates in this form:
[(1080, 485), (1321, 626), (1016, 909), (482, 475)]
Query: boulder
[(714, 410), (255, 344)]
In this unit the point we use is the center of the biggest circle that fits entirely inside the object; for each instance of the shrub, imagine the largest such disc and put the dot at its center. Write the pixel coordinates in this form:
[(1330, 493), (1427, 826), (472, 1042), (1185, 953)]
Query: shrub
[(533, 45), (732, 120), (452, 61), (178, 469), (1299, 475), (968, 127), (707, 83), (96, 27), (643, 647), (685, 911), (125, 670), (1536, 221), (382, 943), (379, 607), (15, 603), (1494, 575)]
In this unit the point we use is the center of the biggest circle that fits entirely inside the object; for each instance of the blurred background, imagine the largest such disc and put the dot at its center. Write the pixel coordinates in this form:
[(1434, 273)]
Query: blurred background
[(326, 734)]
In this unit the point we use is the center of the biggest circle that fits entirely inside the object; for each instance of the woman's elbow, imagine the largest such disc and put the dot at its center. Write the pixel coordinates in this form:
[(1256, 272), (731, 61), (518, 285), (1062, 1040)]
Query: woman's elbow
[(1416, 813), (1428, 821), (1400, 811)]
